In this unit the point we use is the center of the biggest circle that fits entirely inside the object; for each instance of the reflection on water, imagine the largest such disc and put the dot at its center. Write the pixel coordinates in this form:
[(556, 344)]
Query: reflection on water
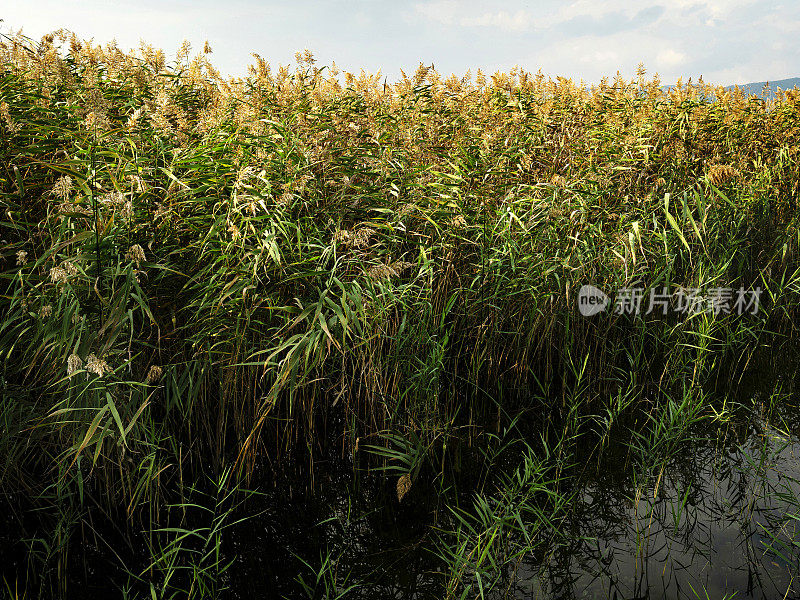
[(720, 519), (723, 521), (369, 543)]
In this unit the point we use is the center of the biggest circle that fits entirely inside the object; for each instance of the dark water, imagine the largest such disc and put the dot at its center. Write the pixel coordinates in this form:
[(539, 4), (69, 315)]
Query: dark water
[(376, 543), (723, 523), (717, 518)]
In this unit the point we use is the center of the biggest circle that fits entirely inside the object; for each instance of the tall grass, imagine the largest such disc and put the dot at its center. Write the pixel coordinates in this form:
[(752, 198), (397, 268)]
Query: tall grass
[(202, 274)]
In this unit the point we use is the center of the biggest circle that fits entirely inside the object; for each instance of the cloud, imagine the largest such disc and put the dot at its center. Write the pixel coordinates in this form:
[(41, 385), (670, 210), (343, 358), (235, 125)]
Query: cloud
[(441, 11), (782, 24), (670, 58), (450, 12), (730, 76), (593, 8), (607, 16), (519, 21), (575, 38), (592, 57)]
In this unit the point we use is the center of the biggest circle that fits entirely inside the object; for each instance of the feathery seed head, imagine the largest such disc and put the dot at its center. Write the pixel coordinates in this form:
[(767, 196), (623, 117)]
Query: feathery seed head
[(133, 120), (401, 265), (403, 486), (722, 174), (97, 366), (6, 116), (135, 254), (74, 363), (363, 236), (70, 268), (62, 188), (381, 271), (342, 236), (154, 374), (59, 276)]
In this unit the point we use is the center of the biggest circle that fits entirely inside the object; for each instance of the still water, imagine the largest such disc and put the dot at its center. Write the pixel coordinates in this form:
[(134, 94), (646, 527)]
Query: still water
[(719, 519), (723, 523)]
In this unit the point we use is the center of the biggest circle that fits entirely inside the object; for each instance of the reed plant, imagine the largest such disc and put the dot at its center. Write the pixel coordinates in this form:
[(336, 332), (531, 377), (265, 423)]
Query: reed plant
[(231, 277)]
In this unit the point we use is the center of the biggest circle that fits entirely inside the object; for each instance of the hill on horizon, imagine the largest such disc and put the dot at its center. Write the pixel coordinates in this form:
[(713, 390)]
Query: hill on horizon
[(756, 88)]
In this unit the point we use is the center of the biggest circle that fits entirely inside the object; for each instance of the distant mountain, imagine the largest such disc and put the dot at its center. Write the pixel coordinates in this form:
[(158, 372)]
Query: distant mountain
[(757, 88)]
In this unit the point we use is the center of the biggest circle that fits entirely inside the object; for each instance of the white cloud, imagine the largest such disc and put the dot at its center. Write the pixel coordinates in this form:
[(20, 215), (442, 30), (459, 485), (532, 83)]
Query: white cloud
[(670, 58), (580, 38), (731, 76), (519, 21), (602, 57), (441, 11), (723, 8), (549, 14), (781, 23), (592, 57), (450, 12), (595, 9)]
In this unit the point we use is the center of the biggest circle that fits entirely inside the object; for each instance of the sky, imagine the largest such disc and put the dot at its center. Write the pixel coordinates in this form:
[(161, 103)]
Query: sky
[(725, 41)]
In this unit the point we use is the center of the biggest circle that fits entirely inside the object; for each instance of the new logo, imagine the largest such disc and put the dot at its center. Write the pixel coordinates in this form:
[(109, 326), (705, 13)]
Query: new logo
[(591, 300)]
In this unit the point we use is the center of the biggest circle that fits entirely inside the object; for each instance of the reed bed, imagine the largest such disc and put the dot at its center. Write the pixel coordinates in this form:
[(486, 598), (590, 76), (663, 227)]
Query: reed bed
[(233, 278)]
